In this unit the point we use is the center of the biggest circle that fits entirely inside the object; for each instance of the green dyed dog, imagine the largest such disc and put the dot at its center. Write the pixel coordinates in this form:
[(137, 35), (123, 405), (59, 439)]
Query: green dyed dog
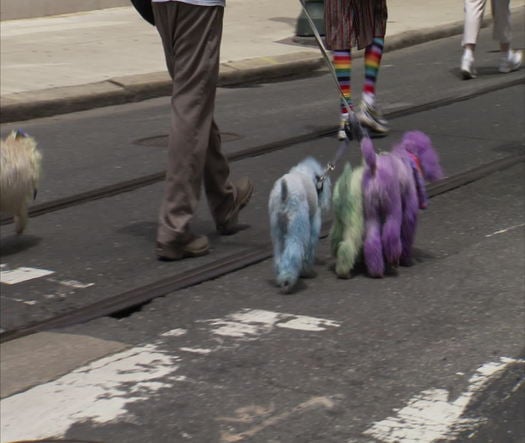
[(347, 232)]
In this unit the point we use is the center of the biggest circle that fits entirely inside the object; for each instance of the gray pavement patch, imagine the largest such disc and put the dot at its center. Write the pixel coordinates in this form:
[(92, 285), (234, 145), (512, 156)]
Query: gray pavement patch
[(44, 356)]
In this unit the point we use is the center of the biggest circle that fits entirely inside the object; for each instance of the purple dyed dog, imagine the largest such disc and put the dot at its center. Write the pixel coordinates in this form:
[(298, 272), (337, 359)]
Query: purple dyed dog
[(393, 193)]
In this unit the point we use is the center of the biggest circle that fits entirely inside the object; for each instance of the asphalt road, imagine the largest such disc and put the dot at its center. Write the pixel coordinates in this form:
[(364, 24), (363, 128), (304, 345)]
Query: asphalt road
[(435, 352)]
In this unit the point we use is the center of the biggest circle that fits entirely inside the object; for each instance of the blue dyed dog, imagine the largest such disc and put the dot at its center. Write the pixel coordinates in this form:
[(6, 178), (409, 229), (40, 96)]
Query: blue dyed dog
[(295, 205)]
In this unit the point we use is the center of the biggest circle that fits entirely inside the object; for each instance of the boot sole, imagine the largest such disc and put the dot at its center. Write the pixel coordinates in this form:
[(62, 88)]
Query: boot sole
[(183, 254), (172, 255)]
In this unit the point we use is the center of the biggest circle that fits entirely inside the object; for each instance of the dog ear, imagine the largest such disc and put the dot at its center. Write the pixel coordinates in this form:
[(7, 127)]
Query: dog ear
[(419, 144)]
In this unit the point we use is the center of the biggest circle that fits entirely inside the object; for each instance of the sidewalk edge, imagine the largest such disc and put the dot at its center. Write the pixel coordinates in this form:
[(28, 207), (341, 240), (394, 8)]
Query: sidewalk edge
[(35, 104)]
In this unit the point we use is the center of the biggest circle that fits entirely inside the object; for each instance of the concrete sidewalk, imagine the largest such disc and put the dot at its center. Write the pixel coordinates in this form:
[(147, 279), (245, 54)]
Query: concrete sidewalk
[(65, 63)]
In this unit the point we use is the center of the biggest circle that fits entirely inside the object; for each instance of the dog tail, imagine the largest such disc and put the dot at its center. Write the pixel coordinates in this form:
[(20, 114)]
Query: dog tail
[(339, 202), (369, 154), (347, 251)]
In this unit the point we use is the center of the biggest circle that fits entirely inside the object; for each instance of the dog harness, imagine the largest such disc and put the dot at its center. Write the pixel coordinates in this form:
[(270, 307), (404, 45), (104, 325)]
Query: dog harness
[(417, 171)]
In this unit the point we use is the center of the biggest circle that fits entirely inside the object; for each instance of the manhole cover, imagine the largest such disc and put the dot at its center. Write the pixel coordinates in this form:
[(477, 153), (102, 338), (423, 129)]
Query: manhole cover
[(161, 141)]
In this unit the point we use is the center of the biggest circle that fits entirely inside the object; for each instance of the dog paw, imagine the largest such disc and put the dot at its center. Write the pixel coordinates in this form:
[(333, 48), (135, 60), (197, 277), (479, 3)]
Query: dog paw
[(406, 261), (286, 288), (308, 273), (344, 275)]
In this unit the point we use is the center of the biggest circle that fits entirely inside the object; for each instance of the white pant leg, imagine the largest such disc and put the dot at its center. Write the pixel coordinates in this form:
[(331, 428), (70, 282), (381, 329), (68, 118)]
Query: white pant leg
[(501, 12), (474, 10)]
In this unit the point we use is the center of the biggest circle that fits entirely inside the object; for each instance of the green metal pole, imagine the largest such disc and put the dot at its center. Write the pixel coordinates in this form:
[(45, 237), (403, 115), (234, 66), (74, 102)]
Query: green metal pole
[(316, 10)]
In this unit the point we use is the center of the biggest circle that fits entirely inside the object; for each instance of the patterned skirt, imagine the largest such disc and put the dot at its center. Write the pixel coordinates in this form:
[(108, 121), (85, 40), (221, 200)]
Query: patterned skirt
[(350, 23)]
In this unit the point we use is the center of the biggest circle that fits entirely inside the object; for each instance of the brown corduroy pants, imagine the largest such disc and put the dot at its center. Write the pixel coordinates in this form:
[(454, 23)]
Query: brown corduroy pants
[(191, 38)]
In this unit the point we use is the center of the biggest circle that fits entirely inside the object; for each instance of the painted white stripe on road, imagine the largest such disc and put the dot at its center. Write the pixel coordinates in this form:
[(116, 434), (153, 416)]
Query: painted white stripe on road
[(196, 350), (103, 390), (18, 275), (304, 323), (75, 284), (250, 323), (174, 333), (100, 391), (503, 231), (430, 416)]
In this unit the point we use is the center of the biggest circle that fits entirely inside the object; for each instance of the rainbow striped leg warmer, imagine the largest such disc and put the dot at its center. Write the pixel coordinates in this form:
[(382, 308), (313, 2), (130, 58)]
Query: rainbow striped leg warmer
[(342, 61), (373, 55)]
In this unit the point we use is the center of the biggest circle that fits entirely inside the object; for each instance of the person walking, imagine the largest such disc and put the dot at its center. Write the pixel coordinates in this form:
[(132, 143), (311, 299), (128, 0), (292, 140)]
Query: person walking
[(350, 23), (191, 32), (474, 9)]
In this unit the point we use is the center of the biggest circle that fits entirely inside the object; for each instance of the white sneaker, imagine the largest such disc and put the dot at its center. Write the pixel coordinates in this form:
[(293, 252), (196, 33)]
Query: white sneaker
[(510, 62), (341, 134), (372, 117), (468, 70)]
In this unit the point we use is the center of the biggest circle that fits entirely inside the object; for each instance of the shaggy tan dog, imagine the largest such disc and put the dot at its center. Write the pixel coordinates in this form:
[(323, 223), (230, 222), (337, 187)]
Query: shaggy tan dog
[(19, 173)]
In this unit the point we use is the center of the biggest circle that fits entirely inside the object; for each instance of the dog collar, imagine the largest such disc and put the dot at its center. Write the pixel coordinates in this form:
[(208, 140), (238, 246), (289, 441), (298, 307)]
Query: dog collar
[(419, 180), (20, 134)]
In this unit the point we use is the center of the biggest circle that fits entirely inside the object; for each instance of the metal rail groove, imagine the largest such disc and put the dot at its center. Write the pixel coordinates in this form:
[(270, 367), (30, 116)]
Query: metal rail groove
[(235, 262), (131, 185), (136, 183)]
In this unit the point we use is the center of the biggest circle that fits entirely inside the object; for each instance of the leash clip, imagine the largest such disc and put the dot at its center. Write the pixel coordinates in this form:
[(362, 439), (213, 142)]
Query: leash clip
[(321, 179)]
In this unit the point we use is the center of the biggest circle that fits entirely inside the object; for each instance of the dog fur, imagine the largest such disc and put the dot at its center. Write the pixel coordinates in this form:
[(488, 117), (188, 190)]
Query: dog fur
[(20, 163), (295, 207), (392, 192), (348, 227)]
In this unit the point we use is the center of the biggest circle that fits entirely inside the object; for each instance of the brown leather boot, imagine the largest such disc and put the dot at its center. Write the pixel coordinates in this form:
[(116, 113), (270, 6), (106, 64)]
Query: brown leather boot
[(195, 247), (244, 188)]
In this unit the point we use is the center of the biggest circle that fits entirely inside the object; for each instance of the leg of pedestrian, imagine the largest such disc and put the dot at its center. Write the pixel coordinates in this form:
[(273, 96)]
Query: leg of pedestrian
[(194, 148), (369, 112), (510, 59), (342, 61), (474, 10)]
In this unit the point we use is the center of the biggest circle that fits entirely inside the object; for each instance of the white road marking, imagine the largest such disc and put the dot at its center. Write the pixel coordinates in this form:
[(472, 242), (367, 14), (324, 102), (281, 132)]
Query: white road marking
[(430, 416), (103, 390), (100, 391), (71, 283), (196, 350), (18, 275), (502, 231), (26, 302), (248, 324), (314, 402), (304, 323), (174, 333)]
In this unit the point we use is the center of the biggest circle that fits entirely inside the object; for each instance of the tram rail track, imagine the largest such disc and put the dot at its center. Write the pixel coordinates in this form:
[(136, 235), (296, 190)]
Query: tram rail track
[(131, 299), (255, 151)]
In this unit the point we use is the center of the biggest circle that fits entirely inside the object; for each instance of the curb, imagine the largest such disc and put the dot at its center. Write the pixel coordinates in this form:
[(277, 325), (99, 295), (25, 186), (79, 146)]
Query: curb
[(119, 90)]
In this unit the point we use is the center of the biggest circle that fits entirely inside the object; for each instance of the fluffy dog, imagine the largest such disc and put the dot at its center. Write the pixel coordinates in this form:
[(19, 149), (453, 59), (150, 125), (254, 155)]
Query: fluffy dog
[(393, 192), (348, 227), (376, 205), (19, 173), (295, 205)]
